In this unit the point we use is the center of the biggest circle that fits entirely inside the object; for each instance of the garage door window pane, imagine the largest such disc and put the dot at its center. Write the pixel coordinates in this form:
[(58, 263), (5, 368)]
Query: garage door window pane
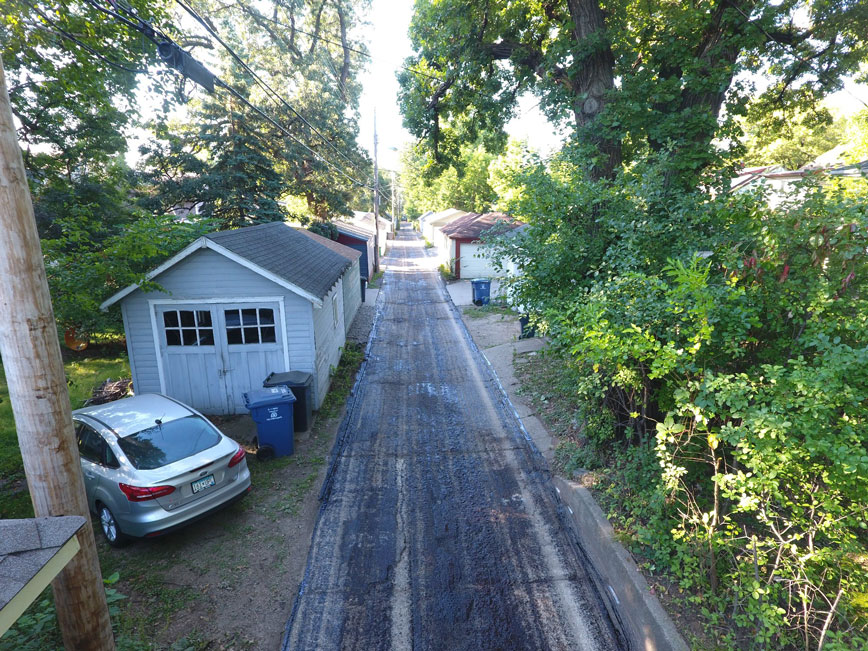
[(233, 336), (251, 335), (188, 328), (233, 318), (250, 326)]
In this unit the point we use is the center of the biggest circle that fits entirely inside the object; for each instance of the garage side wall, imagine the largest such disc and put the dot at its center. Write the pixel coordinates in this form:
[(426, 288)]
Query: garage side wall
[(352, 294), (207, 275), (330, 336)]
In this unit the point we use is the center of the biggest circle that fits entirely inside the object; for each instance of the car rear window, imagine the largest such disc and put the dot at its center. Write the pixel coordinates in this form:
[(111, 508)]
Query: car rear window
[(163, 444)]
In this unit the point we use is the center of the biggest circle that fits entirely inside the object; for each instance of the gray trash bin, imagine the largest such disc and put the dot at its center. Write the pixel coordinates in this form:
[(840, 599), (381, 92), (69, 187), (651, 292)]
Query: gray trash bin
[(301, 385)]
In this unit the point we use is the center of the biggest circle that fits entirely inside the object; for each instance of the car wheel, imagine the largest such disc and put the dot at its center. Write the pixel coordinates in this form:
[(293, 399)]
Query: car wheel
[(110, 528)]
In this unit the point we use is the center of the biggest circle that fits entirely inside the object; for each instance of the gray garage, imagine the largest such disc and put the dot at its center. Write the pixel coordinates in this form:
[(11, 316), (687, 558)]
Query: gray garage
[(234, 306)]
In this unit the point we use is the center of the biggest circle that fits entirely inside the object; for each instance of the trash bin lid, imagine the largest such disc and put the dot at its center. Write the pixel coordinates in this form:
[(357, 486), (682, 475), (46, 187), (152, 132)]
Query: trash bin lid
[(480, 280), (291, 378), (269, 396)]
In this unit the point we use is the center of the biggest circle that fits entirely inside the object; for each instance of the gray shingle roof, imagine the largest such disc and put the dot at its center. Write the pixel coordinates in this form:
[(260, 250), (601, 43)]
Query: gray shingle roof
[(473, 225), (350, 254), (353, 231), (27, 545), (283, 251)]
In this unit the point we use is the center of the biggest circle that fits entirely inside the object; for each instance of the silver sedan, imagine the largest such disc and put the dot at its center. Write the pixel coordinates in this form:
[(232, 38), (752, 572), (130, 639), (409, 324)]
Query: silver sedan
[(152, 464)]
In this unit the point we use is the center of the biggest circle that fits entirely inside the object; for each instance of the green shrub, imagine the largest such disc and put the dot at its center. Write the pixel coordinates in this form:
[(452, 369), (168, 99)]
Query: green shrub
[(727, 340), (446, 272)]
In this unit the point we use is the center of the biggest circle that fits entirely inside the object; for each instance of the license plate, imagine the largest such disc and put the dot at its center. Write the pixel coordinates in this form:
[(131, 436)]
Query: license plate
[(202, 484)]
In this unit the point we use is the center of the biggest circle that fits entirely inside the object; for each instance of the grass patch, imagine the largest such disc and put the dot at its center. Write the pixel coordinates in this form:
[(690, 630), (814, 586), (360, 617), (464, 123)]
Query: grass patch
[(428, 243), (343, 378), (482, 311), (447, 274), (84, 371), (374, 282)]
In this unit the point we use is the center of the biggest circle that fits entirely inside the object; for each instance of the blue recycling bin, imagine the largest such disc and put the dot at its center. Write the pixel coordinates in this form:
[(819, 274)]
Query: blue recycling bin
[(481, 291), (271, 410)]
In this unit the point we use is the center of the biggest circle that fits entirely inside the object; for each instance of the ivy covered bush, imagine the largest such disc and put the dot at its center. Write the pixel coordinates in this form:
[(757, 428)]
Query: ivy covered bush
[(729, 342)]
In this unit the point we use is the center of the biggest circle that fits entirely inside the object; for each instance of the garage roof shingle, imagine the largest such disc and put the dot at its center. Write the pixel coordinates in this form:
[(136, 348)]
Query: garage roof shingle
[(283, 251), (473, 225)]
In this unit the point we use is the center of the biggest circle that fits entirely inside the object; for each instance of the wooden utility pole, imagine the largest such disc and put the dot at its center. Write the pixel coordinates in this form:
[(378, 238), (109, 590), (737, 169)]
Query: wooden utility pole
[(30, 350), (376, 201)]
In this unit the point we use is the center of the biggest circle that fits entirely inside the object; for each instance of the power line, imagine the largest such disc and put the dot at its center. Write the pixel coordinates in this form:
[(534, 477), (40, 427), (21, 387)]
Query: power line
[(219, 82), (148, 30), (59, 30), (269, 90)]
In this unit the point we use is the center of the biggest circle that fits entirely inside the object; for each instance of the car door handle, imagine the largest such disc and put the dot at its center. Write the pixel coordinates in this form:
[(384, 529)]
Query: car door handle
[(89, 475)]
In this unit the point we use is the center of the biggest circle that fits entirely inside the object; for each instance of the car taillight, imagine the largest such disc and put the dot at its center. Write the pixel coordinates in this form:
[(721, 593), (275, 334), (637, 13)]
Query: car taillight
[(144, 493), (237, 457)]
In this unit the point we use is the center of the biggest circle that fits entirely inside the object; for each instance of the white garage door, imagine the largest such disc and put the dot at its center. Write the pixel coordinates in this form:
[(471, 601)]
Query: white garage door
[(212, 354), (473, 266)]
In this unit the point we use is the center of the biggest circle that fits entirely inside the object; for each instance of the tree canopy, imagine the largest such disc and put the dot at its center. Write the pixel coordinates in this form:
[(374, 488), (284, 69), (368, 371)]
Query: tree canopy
[(633, 78), (81, 79)]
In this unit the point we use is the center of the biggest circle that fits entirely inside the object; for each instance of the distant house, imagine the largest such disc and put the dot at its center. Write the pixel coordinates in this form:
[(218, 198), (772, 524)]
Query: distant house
[(469, 257), (431, 224), (445, 247), (366, 220), (779, 183), (235, 306), (361, 240)]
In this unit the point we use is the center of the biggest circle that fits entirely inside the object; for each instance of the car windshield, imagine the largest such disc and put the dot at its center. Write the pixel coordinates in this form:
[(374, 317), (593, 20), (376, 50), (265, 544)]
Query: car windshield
[(166, 443)]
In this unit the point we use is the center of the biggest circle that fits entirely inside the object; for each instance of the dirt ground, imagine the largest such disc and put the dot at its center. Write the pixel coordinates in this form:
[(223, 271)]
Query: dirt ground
[(230, 580), (490, 326)]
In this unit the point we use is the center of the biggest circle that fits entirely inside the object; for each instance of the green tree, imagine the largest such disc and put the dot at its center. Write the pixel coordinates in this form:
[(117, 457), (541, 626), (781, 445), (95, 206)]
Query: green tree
[(633, 78), (304, 54), (220, 161), (464, 185), (792, 143)]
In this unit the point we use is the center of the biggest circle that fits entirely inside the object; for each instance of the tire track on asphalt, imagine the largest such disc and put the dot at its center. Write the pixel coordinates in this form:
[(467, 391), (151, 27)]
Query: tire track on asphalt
[(438, 530)]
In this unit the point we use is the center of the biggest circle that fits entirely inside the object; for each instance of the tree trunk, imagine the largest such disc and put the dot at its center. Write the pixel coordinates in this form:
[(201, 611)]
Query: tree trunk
[(595, 81), (37, 389)]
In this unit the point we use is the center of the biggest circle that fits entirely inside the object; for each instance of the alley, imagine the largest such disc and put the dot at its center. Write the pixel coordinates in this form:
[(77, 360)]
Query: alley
[(438, 530)]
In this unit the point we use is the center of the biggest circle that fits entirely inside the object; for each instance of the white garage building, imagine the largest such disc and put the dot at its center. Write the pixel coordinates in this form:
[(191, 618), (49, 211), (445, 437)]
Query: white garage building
[(233, 307), (469, 257)]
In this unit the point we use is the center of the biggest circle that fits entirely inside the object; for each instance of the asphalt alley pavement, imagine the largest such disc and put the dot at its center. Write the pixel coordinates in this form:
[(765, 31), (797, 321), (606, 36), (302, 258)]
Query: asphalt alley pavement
[(439, 529)]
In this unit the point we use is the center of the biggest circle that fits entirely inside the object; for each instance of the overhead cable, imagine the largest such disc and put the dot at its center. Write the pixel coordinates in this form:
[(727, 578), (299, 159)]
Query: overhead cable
[(178, 58), (269, 90), (62, 32)]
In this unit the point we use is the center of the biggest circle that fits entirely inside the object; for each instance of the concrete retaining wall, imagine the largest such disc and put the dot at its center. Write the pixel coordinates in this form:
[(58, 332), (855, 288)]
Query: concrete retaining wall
[(646, 623)]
